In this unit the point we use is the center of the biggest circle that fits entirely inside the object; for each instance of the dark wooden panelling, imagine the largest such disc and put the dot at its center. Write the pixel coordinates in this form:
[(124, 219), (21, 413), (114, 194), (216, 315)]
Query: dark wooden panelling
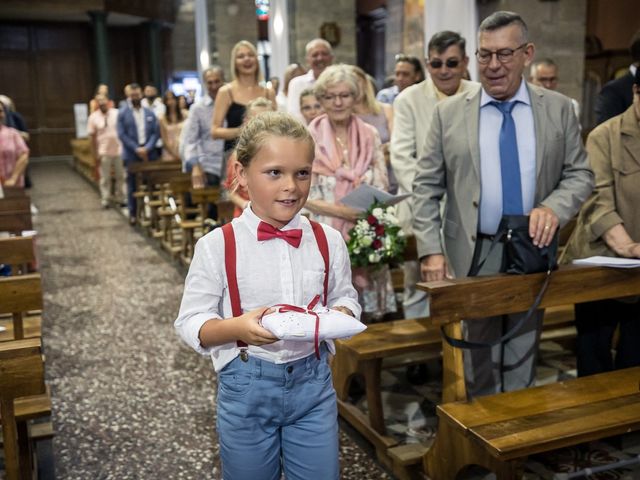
[(46, 68)]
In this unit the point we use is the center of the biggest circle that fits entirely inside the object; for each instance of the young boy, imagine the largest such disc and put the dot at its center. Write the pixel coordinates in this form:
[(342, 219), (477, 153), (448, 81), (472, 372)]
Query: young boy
[(276, 403)]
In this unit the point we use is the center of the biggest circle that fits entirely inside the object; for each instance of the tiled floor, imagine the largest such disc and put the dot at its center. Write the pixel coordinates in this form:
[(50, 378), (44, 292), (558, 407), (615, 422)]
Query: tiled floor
[(131, 402)]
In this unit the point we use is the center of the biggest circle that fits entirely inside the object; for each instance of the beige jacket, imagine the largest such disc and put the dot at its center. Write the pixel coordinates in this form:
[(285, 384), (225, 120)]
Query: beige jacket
[(412, 112), (614, 152), (451, 166)]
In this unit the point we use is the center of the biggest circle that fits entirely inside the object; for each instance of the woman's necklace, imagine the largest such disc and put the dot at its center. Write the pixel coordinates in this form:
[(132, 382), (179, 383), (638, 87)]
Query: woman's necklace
[(344, 150)]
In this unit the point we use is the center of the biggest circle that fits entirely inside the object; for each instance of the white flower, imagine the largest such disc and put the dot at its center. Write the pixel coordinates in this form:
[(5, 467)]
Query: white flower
[(374, 258), (377, 212), (366, 241), (391, 210)]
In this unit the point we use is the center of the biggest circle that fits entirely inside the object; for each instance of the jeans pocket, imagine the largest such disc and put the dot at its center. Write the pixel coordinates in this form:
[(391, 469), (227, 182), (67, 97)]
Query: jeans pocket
[(321, 372), (235, 381)]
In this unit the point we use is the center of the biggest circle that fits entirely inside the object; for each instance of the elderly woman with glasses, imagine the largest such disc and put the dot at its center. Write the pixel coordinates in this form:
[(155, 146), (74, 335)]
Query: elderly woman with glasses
[(348, 154)]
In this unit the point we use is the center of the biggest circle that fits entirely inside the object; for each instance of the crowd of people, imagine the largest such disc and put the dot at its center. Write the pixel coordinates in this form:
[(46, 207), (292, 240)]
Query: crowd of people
[(405, 139), (469, 153)]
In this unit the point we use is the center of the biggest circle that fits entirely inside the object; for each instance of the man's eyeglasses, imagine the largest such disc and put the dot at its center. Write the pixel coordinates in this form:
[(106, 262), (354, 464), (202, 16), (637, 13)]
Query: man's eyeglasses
[(437, 63), (503, 55), (342, 96)]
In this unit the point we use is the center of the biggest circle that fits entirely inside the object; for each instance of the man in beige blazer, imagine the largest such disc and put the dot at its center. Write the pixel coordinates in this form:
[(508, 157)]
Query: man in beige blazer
[(412, 111), (462, 159)]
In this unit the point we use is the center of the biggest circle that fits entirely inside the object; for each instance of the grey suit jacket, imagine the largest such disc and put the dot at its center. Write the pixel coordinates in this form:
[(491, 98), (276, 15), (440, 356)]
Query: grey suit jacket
[(451, 165), (412, 113)]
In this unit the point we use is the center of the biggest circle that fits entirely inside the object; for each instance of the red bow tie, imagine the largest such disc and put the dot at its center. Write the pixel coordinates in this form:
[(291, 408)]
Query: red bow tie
[(267, 232)]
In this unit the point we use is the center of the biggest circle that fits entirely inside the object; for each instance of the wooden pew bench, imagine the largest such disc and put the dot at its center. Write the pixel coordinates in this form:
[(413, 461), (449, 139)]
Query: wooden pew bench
[(18, 252), (499, 431), (151, 180), (21, 375), (400, 343), (15, 214), (364, 354), (19, 295)]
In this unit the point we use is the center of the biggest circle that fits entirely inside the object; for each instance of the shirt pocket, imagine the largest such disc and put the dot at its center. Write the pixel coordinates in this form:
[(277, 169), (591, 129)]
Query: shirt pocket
[(312, 285)]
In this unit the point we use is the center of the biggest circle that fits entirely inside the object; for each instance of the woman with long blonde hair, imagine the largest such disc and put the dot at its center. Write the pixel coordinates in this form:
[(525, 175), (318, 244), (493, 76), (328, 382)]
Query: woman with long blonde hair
[(233, 98)]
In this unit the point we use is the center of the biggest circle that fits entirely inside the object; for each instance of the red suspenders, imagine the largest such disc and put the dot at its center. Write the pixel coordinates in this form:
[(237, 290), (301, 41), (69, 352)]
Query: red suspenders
[(232, 280)]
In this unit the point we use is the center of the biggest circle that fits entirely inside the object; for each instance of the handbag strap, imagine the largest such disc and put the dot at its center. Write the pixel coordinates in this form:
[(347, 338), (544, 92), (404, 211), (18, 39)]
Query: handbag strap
[(459, 343)]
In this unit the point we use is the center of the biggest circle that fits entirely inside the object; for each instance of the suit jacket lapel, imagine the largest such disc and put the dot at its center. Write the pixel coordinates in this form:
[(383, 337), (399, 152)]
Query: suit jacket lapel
[(540, 125), (472, 115)]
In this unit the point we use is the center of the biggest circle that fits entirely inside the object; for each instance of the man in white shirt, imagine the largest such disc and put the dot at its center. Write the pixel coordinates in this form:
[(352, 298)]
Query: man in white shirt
[(544, 73), (319, 56)]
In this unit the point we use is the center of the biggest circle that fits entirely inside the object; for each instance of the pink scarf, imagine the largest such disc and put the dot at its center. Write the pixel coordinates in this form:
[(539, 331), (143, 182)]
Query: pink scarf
[(328, 161)]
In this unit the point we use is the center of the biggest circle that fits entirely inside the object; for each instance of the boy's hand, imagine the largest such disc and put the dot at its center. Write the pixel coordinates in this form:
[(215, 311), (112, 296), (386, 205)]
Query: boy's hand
[(251, 332)]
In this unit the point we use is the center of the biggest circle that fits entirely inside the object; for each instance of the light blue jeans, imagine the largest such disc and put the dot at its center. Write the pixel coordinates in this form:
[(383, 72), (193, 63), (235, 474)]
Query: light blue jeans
[(275, 417)]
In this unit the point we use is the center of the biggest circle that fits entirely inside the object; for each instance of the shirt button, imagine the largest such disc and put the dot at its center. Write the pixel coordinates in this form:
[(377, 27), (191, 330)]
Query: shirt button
[(473, 238), (289, 369), (475, 203)]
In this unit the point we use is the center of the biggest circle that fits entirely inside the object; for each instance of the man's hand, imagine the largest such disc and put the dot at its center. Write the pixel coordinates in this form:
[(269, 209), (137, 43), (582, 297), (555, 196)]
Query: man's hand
[(434, 267), (197, 177), (543, 223), (142, 153)]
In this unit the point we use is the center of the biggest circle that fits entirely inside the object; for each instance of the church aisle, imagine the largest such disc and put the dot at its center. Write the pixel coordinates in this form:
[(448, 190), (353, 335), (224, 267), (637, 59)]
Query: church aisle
[(130, 401)]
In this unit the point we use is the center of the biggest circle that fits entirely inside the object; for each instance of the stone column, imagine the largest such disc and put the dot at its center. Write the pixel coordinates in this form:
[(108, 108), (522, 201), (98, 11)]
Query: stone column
[(101, 47), (155, 58)]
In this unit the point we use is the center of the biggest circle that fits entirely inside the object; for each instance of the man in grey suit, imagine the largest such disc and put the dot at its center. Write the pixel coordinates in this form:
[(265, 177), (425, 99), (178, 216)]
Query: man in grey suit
[(412, 112), (467, 157)]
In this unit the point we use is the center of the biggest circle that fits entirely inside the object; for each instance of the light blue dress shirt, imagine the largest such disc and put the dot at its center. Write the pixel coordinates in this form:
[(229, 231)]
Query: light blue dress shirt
[(198, 145), (490, 173)]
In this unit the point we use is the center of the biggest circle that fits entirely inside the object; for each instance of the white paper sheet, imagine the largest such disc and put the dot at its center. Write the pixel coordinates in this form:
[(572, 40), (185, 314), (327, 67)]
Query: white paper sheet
[(615, 262), (363, 196)]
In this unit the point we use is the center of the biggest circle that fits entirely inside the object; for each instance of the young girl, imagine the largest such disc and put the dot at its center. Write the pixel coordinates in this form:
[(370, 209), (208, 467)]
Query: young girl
[(276, 403)]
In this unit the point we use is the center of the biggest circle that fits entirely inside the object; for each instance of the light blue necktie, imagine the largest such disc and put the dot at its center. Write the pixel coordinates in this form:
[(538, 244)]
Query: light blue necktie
[(509, 162)]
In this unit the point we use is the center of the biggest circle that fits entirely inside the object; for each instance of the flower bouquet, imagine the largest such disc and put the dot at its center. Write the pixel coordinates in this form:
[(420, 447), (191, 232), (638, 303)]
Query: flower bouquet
[(374, 242), (376, 239)]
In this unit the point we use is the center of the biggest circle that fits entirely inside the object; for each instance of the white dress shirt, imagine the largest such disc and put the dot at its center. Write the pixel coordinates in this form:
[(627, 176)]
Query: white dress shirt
[(269, 272), (490, 170), (138, 117), (296, 86)]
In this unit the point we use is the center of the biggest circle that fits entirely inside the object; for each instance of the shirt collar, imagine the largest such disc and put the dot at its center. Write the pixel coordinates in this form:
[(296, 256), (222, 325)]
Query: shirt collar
[(252, 220), (522, 95), (442, 95)]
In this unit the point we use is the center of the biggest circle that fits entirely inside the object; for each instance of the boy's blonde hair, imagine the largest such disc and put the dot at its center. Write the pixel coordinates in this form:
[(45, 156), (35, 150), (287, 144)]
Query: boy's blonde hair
[(269, 124)]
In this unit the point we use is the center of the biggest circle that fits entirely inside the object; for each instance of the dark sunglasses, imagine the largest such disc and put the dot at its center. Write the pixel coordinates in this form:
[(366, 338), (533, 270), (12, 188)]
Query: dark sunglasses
[(450, 63)]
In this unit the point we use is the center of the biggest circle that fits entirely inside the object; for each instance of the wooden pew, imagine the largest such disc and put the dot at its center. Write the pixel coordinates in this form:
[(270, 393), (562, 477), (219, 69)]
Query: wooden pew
[(18, 295), (364, 355), (151, 178), (12, 192), (499, 431), (17, 252), (15, 214), (21, 375)]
